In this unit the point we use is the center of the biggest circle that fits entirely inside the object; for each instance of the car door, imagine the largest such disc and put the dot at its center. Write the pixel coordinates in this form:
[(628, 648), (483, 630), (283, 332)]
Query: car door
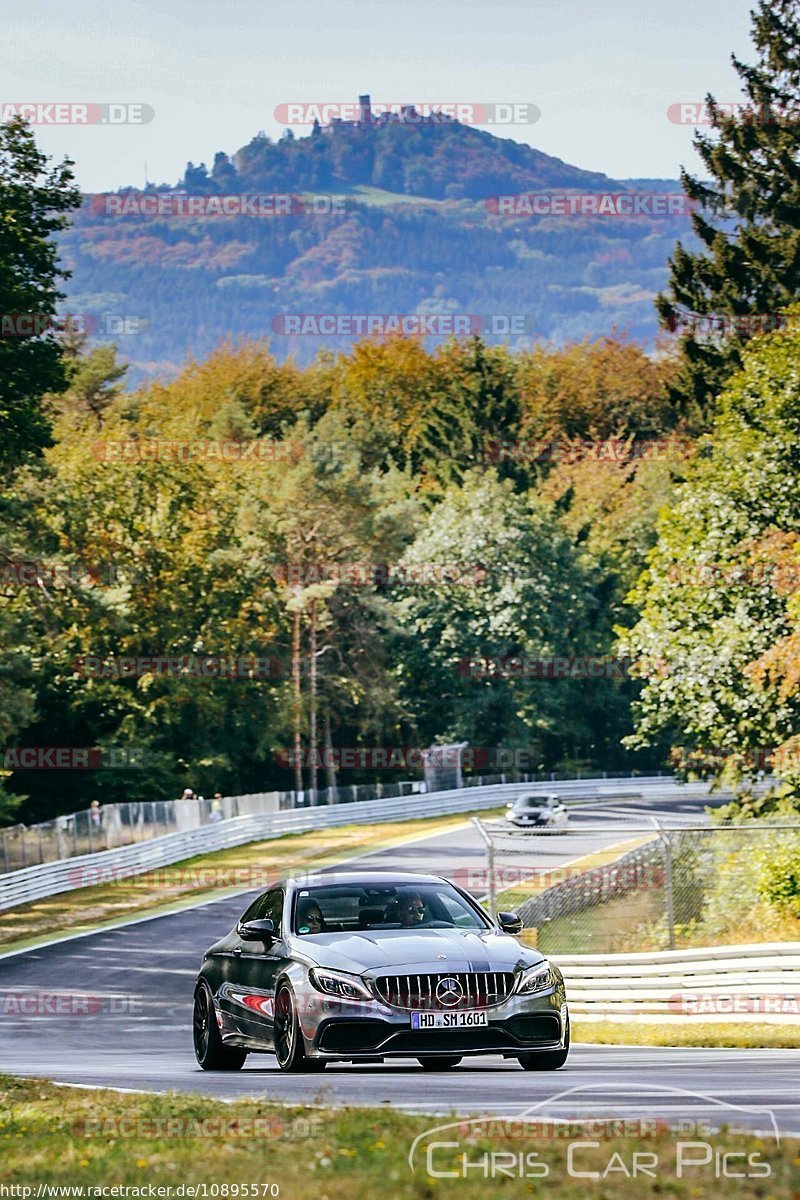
[(255, 968)]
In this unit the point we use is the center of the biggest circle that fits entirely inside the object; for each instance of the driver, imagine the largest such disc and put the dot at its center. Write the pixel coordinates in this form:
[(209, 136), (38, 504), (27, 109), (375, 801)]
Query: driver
[(412, 910)]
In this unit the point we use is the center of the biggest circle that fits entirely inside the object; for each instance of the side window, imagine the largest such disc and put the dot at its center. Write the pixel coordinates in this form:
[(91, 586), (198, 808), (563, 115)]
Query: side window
[(268, 907), (454, 911), (254, 911), (273, 909)]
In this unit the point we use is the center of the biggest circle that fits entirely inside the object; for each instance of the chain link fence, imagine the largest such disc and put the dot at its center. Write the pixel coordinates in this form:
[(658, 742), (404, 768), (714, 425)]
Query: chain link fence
[(649, 886)]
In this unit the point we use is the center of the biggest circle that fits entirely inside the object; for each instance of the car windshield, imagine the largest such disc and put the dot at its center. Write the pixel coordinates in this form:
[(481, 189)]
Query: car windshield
[(532, 802), (350, 908)]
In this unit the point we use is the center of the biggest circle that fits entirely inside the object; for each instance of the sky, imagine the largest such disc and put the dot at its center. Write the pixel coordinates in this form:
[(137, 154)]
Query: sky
[(213, 72)]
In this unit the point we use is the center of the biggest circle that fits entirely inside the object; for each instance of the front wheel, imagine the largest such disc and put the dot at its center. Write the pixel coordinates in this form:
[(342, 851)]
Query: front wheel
[(547, 1060), (442, 1063), (209, 1049), (289, 1048)]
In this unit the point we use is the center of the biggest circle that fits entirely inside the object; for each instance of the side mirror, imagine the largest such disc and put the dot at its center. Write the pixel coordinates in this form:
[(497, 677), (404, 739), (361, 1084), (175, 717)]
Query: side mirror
[(509, 922), (257, 931)]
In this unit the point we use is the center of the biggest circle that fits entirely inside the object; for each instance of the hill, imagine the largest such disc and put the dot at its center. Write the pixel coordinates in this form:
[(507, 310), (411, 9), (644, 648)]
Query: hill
[(438, 160), (388, 218)]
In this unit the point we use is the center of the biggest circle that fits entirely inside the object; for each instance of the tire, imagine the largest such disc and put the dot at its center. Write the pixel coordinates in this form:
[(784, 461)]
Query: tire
[(209, 1049), (289, 1049), (443, 1063), (547, 1060)]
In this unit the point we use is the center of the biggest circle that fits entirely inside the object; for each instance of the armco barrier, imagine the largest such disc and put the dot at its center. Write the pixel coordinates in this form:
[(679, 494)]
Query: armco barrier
[(64, 875), (594, 886), (756, 982)]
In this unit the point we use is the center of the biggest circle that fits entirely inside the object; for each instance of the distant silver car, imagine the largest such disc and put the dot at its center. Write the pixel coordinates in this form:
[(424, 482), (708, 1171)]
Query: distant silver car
[(536, 808), (366, 967)]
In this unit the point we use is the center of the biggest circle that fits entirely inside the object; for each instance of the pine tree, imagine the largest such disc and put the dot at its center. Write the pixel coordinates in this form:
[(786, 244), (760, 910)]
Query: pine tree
[(747, 216), (35, 199)]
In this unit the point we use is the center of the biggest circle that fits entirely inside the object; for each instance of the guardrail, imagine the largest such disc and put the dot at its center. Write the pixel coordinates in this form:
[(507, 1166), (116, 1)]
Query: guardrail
[(756, 982), (106, 827), (64, 875)]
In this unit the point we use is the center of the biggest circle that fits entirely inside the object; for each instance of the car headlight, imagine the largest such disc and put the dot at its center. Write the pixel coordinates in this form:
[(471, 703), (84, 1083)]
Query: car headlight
[(537, 979), (340, 984)]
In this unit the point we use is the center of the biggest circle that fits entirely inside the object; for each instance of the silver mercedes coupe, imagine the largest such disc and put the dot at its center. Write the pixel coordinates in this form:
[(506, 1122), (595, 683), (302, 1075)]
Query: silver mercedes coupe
[(366, 967)]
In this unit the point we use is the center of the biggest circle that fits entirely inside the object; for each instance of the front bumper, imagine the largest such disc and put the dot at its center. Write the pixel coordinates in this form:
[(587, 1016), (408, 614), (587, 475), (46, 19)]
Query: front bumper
[(348, 1030)]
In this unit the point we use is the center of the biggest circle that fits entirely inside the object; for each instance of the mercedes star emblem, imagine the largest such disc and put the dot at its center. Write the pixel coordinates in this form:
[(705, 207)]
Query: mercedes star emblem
[(449, 992)]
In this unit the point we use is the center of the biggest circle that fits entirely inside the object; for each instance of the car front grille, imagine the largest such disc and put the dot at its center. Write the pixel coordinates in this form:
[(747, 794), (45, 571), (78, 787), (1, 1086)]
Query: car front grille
[(446, 991)]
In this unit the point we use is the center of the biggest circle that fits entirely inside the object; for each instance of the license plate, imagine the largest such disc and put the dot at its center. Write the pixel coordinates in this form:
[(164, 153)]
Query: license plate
[(466, 1019)]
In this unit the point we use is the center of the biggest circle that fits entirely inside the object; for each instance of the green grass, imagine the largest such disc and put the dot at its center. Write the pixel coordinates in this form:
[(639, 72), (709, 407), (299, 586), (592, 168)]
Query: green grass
[(513, 897), (742, 1034), (70, 1137), (611, 927)]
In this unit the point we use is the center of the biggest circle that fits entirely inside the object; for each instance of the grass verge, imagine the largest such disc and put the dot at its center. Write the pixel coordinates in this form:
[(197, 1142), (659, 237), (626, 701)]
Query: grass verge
[(87, 1139), (542, 878), (207, 877), (741, 1034)]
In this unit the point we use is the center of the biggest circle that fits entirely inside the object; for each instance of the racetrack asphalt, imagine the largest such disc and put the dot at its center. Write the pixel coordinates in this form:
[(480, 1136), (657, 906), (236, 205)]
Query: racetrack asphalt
[(135, 1030)]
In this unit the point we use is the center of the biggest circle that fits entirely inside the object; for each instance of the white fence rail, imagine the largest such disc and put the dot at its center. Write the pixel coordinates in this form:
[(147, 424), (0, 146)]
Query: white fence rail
[(52, 878), (756, 982)]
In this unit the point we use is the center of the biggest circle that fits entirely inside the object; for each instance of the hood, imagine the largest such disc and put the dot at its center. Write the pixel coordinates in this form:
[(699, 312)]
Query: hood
[(404, 950)]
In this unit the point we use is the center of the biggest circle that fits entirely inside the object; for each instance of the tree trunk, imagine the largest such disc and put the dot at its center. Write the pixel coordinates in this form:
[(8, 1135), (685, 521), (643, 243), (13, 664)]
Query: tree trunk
[(312, 709), (330, 766), (298, 749)]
